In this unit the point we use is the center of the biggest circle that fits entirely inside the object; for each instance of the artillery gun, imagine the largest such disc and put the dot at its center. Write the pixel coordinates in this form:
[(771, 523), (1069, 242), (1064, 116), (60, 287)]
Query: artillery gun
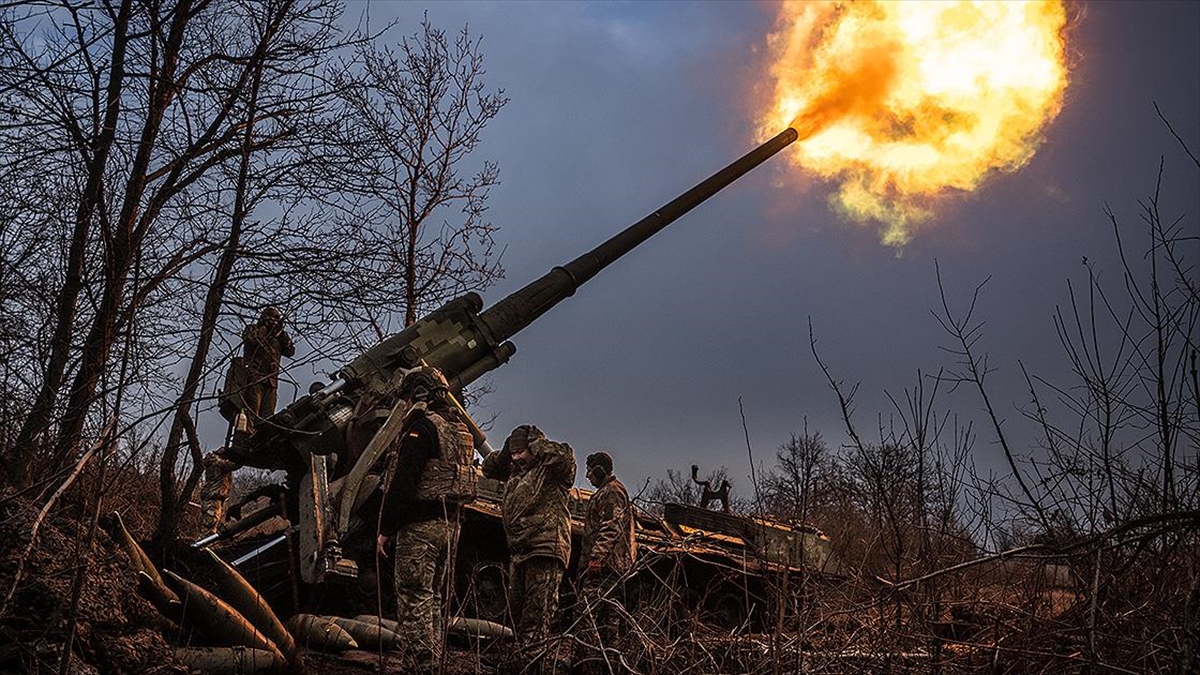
[(462, 340), (320, 499)]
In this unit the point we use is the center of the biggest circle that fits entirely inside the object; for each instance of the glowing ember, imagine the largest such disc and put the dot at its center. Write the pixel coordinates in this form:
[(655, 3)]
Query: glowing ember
[(901, 102)]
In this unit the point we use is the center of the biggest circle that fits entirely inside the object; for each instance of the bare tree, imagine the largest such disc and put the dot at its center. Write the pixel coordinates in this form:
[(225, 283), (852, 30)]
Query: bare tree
[(203, 150), (276, 109), (1104, 514), (135, 117), (415, 114), (793, 488)]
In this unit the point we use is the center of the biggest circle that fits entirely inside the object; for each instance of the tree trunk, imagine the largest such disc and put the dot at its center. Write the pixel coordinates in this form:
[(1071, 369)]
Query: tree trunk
[(172, 501), (123, 246), (36, 422)]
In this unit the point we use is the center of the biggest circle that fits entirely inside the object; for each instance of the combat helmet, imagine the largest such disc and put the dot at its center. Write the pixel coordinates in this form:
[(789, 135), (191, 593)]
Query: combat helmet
[(424, 383)]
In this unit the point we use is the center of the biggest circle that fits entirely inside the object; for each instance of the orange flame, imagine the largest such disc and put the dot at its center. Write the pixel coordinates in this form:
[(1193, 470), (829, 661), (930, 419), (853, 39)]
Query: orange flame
[(903, 103)]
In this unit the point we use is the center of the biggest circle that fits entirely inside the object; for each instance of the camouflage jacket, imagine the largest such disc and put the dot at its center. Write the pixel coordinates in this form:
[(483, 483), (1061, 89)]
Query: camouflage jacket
[(218, 477), (263, 347), (608, 529), (534, 503)]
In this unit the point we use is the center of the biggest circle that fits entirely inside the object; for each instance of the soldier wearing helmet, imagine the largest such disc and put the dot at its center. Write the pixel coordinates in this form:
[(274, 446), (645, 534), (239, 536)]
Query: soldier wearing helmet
[(537, 474), (429, 475), (264, 343)]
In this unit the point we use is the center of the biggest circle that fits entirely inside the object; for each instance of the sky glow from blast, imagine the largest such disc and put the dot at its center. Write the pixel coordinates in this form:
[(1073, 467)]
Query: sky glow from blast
[(904, 103)]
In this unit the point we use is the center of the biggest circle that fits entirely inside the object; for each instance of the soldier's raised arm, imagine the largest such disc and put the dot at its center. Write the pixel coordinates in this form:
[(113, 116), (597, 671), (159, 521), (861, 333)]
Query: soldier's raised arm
[(254, 335), (286, 347), (498, 465), (559, 461)]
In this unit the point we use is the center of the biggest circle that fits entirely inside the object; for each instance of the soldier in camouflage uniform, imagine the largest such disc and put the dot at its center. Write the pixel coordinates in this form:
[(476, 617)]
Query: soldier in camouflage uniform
[(430, 474), (537, 475), (609, 551), (264, 343), (216, 488)]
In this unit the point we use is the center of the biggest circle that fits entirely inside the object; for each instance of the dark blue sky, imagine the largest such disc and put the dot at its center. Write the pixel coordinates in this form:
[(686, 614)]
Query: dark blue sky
[(616, 107)]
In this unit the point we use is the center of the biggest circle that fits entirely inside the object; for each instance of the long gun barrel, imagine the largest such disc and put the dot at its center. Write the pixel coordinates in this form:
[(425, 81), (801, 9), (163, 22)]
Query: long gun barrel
[(463, 340), (520, 309)]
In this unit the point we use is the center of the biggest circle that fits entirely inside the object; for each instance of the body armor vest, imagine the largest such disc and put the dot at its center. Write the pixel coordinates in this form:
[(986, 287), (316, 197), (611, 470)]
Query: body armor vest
[(451, 475)]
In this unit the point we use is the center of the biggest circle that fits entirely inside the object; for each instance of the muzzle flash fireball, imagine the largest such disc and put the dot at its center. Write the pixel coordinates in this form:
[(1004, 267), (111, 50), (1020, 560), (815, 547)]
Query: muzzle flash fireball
[(901, 104)]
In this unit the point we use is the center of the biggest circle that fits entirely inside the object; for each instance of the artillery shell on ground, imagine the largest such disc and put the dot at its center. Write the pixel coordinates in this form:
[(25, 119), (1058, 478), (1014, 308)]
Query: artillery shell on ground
[(217, 619), (318, 632), (229, 660), (238, 592), (141, 562), (160, 596), (372, 635), (479, 628), (373, 620)]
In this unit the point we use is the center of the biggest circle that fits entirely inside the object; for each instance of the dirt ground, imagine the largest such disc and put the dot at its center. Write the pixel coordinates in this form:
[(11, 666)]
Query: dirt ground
[(358, 662), (115, 631)]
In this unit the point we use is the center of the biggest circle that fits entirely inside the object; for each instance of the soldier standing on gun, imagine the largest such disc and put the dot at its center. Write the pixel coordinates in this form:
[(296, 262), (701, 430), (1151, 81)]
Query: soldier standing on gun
[(609, 551), (429, 476), (537, 475), (264, 343)]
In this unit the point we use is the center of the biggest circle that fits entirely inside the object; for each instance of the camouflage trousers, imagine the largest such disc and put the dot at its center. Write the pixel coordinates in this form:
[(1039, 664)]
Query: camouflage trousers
[(259, 397), (212, 511), (598, 622), (533, 599), (421, 553)]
